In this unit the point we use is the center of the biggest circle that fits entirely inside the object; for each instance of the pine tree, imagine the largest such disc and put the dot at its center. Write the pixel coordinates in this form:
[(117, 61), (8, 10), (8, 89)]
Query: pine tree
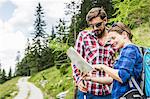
[(3, 77), (78, 22), (39, 40), (10, 74), (62, 31), (72, 9), (0, 76), (106, 4), (53, 35), (39, 30)]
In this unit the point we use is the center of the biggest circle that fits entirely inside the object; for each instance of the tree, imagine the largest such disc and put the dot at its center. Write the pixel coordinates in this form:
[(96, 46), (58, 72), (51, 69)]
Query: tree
[(3, 77), (78, 21), (132, 12), (53, 35), (17, 70), (39, 40), (72, 9), (0, 76), (106, 4), (62, 31), (38, 55), (10, 74)]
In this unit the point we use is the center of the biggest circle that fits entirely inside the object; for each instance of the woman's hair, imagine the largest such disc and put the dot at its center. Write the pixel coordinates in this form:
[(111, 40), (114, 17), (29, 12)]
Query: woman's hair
[(119, 27), (96, 12)]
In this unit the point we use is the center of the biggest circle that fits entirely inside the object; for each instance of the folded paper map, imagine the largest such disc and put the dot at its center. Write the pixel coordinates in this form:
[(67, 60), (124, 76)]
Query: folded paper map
[(78, 60)]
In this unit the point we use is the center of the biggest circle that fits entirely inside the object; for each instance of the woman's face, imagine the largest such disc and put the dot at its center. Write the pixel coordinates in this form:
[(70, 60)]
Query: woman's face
[(116, 39)]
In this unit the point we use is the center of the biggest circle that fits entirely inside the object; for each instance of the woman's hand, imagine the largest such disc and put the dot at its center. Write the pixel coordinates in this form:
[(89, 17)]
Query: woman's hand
[(98, 67)]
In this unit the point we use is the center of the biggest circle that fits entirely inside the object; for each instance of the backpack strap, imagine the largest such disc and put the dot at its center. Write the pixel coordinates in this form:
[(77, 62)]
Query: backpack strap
[(137, 86), (132, 80), (142, 83), (142, 50)]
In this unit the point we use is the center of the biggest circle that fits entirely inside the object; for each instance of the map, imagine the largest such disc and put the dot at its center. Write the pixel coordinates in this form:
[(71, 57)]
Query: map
[(78, 60)]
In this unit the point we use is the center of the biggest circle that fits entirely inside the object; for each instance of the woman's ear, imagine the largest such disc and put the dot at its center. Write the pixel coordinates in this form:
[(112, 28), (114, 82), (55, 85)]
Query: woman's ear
[(125, 35)]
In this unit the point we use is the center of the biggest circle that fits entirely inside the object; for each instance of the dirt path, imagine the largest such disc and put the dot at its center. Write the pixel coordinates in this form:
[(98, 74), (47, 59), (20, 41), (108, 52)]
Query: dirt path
[(28, 90)]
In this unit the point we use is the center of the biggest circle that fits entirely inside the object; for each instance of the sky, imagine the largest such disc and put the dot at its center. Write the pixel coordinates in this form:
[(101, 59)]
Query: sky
[(16, 25)]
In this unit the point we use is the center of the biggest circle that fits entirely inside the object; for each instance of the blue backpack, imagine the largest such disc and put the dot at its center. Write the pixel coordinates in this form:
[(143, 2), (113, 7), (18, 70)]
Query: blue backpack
[(146, 73), (142, 91), (145, 76)]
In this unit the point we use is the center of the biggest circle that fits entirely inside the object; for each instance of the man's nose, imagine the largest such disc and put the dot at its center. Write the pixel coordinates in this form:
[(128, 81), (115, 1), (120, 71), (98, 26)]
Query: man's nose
[(95, 28)]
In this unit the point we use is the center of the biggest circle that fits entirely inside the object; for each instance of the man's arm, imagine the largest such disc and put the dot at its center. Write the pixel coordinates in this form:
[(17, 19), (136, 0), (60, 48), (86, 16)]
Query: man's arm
[(79, 46)]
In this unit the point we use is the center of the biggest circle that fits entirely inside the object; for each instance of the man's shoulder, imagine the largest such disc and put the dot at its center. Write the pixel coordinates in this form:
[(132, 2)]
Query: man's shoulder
[(85, 33)]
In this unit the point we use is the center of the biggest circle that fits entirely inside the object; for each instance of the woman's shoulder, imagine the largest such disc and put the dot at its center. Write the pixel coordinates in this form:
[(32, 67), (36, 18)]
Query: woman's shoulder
[(132, 49)]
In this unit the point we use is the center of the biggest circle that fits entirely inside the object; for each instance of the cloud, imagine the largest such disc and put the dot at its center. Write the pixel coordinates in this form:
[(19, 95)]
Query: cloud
[(1, 2), (12, 41), (15, 30)]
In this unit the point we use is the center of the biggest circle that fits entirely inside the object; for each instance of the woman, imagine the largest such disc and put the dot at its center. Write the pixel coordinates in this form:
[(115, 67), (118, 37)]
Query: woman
[(129, 61)]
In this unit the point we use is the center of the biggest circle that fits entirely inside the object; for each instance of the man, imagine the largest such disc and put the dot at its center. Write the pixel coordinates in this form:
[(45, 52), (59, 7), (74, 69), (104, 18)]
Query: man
[(95, 49)]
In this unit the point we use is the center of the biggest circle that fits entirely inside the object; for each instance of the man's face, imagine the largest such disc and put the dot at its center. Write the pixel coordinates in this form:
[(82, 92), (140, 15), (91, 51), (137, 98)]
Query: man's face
[(97, 25)]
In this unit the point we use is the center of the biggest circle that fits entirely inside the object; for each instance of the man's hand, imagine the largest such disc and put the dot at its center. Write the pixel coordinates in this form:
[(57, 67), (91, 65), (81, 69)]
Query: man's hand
[(82, 86), (82, 83)]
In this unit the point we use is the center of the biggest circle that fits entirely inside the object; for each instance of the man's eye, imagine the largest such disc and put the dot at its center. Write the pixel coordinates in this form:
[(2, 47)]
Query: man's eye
[(112, 38)]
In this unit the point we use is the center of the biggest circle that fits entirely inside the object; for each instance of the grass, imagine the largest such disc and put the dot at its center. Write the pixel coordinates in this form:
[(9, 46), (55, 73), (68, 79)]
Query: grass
[(9, 89), (141, 35), (56, 82)]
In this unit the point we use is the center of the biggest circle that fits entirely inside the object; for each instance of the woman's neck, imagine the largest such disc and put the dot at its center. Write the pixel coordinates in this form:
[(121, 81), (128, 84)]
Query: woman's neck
[(127, 43)]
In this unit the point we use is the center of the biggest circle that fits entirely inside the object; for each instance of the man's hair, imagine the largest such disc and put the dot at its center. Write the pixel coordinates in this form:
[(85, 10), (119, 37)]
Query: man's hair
[(96, 12), (119, 27)]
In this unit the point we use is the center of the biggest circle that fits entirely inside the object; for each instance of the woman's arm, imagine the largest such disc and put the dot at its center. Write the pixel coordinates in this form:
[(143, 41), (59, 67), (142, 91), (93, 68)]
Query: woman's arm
[(110, 71), (102, 80)]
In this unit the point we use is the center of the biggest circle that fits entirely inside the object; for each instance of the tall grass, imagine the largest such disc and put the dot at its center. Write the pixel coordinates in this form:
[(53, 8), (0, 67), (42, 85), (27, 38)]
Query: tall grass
[(56, 82), (9, 89), (141, 35)]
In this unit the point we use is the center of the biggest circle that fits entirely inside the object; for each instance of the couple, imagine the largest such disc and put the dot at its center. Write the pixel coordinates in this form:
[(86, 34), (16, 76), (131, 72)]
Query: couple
[(97, 50)]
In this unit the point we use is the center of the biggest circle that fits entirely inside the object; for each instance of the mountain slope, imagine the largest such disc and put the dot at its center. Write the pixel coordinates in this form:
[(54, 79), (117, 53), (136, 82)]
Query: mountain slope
[(52, 82)]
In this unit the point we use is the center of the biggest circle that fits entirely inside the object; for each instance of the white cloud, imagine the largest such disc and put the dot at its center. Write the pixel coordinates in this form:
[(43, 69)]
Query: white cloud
[(14, 31), (12, 41), (1, 2)]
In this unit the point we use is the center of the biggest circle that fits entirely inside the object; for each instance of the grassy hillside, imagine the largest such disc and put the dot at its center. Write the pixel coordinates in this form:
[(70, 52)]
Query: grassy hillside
[(9, 89), (141, 35), (56, 82)]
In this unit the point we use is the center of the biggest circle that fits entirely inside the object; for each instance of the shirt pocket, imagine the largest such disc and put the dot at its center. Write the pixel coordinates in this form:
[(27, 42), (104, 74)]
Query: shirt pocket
[(91, 53)]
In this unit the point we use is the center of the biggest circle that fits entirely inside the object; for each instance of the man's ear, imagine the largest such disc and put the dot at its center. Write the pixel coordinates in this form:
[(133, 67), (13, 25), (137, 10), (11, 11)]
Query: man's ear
[(105, 20)]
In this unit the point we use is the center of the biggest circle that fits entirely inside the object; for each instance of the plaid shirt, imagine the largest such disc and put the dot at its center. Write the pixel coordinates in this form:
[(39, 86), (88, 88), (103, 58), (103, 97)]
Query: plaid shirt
[(94, 52), (129, 63)]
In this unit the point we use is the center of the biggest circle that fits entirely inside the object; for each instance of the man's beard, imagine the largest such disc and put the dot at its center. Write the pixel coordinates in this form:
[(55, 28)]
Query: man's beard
[(99, 33)]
